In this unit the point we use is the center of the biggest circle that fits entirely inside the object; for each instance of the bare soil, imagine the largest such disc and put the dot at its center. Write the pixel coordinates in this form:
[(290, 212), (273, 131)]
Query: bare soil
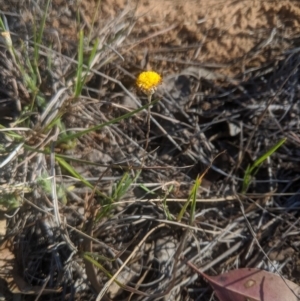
[(225, 34)]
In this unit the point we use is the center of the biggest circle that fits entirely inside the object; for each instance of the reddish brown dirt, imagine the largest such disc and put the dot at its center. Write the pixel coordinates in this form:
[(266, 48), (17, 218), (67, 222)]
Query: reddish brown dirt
[(219, 31), (179, 33)]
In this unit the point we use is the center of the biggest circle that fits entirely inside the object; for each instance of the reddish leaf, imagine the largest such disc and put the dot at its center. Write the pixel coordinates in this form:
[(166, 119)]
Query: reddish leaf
[(252, 285)]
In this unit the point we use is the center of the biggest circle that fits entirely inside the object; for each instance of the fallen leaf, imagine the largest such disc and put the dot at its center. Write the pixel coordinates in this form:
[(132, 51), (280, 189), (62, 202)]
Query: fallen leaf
[(252, 285)]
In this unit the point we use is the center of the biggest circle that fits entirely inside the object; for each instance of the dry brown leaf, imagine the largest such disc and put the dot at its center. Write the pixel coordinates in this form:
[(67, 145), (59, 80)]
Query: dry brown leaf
[(252, 285)]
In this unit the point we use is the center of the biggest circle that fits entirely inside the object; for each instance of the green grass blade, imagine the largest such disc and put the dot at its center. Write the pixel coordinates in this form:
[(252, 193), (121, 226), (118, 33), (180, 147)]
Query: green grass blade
[(183, 209), (122, 186), (79, 80), (100, 267), (72, 171), (94, 19), (146, 189), (40, 33), (76, 175), (194, 199), (271, 151), (102, 125), (99, 257), (35, 76), (93, 53), (11, 133), (246, 180), (97, 264), (2, 26), (251, 170), (165, 205)]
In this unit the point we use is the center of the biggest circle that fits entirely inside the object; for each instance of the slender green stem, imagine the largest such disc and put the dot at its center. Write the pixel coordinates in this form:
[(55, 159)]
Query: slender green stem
[(148, 122)]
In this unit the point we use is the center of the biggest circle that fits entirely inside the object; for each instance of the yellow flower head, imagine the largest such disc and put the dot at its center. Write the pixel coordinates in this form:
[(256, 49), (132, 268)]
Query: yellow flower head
[(148, 81)]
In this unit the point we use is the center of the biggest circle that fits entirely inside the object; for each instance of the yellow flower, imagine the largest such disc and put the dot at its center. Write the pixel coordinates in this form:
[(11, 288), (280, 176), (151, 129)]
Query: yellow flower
[(148, 81)]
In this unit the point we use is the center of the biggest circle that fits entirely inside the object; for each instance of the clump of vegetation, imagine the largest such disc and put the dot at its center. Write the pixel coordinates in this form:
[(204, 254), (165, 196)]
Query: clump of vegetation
[(112, 178)]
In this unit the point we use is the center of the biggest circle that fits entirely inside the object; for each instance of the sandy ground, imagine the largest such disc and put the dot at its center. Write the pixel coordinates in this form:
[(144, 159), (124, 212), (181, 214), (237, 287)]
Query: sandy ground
[(217, 32), (235, 33)]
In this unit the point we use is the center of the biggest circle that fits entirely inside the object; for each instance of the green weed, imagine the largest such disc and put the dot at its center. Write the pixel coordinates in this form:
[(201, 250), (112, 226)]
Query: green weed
[(252, 170)]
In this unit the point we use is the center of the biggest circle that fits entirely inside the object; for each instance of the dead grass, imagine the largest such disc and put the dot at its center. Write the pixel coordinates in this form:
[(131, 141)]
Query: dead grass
[(96, 207)]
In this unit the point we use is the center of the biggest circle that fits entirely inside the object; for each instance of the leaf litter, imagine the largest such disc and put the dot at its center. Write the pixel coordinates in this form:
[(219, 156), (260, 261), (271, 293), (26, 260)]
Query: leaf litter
[(232, 64), (252, 284)]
